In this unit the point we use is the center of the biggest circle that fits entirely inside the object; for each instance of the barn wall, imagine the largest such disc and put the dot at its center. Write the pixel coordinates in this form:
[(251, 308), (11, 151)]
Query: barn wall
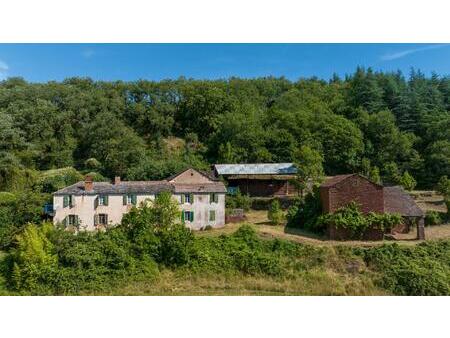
[(263, 188), (355, 188)]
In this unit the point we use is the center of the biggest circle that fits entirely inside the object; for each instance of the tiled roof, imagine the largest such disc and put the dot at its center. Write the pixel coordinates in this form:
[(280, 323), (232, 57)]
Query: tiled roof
[(397, 200), (198, 187), (256, 169), (140, 187), (335, 179)]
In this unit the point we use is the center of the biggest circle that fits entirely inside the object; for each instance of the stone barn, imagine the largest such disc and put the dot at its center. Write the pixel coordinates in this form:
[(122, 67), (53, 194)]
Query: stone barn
[(258, 179), (339, 191)]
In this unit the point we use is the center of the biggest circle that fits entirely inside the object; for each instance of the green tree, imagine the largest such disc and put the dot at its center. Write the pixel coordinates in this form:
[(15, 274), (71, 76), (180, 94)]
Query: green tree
[(407, 181), (309, 168), (275, 214)]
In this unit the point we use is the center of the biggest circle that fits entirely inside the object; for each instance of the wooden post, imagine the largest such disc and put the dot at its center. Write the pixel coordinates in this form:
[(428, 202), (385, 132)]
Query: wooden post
[(420, 229)]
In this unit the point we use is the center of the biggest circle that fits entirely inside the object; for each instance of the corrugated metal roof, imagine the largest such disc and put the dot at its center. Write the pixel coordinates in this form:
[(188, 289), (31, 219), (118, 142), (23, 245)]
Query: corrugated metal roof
[(256, 169)]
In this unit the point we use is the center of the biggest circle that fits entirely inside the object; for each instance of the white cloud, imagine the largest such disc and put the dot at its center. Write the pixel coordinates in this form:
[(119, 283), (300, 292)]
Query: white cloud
[(3, 70), (88, 53), (403, 53)]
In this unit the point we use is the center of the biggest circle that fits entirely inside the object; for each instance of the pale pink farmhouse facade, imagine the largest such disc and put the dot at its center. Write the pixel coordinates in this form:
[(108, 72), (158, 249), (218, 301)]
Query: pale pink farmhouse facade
[(89, 205)]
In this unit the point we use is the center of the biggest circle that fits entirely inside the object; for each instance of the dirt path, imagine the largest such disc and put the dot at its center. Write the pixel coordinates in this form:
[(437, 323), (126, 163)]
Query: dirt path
[(266, 230)]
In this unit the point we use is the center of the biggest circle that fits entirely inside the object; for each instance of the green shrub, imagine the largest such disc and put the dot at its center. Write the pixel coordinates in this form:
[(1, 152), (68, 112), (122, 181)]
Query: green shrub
[(238, 201), (7, 198), (275, 214), (351, 218), (305, 212), (420, 270), (432, 217)]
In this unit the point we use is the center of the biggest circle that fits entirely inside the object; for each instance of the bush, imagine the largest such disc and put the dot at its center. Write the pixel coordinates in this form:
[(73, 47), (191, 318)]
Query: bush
[(238, 201), (275, 215), (305, 212), (432, 218), (423, 270), (351, 218), (443, 187)]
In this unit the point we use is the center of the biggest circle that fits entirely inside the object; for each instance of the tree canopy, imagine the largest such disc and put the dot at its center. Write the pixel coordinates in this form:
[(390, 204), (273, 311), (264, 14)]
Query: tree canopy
[(148, 129)]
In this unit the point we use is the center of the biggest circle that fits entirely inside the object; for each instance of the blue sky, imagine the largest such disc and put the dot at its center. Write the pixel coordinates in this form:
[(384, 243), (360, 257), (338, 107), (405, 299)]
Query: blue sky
[(45, 62)]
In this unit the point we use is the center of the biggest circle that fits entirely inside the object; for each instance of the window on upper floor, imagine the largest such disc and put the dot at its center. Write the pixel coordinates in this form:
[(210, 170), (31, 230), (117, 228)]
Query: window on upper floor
[(68, 200), (187, 198), (103, 200), (213, 198), (129, 199)]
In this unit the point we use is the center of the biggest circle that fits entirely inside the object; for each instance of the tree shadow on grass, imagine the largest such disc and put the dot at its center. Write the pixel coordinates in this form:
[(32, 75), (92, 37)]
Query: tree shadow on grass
[(303, 233)]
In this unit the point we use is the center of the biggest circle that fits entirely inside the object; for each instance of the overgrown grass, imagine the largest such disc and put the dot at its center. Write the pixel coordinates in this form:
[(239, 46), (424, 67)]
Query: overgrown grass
[(146, 256)]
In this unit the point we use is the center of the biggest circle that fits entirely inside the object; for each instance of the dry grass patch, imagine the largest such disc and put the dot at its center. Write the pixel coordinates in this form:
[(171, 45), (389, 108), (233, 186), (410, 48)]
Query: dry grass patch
[(311, 282)]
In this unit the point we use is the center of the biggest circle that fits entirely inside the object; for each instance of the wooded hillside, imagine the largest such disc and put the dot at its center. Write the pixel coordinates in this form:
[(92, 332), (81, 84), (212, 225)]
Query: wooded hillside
[(148, 130)]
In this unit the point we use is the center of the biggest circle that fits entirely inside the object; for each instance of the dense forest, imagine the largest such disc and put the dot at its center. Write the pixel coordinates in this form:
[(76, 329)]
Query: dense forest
[(148, 130)]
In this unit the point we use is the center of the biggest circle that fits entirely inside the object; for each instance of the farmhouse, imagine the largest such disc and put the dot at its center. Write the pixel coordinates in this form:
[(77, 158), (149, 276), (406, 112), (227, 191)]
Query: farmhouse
[(91, 205), (339, 191), (258, 179)]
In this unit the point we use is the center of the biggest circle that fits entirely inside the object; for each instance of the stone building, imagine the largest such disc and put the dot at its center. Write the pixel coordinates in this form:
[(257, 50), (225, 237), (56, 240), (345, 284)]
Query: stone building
[(258, 179), (91, 205), (339, 191)]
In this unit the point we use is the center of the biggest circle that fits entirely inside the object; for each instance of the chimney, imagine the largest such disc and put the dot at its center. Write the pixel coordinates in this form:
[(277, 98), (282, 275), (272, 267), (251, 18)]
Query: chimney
[(116, 180), (88, 183)]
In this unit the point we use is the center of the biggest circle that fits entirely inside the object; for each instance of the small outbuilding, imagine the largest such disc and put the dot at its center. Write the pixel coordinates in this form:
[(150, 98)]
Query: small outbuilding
[(339, 191), (258, 179)]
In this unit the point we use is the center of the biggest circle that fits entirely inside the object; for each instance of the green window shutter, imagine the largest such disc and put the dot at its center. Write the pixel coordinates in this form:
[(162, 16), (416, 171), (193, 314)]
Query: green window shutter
[(216, 198), (65, 201), (65, 221), (192, 216), (211, 198), (106, 218), (95, 219), (72, 201), (133, 199), (182, 198), (182, 216), (77, 220), (212, 215), (191, 198), (96, 202), (124, 200), (105, 200)]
